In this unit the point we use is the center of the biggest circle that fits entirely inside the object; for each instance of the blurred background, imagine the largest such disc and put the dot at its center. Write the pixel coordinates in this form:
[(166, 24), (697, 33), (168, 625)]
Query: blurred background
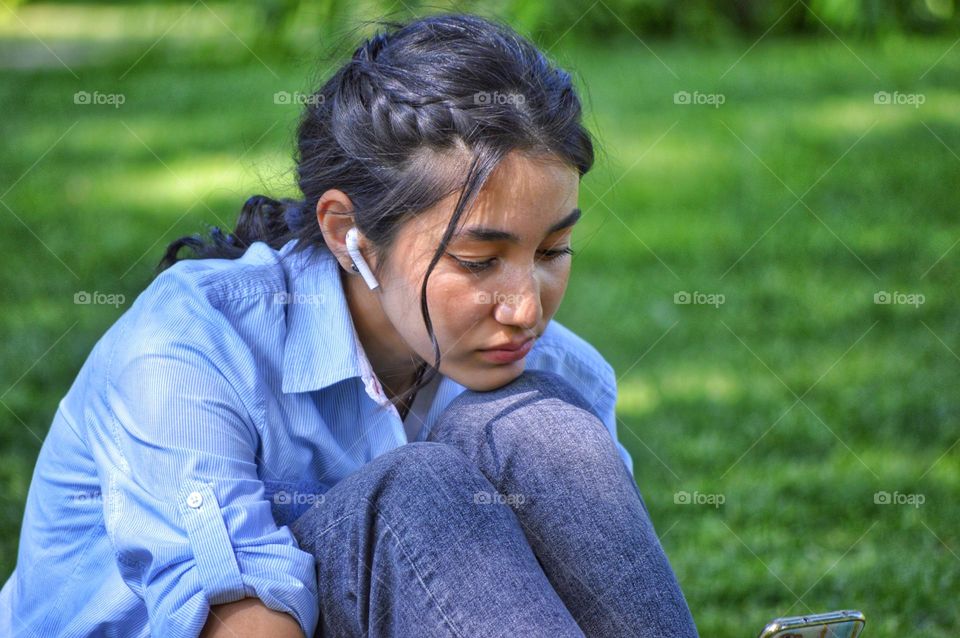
[(765, 258)]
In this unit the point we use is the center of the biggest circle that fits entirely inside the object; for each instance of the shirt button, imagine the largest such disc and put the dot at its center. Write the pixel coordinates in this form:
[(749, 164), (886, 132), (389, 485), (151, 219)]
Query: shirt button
[(195, 500)]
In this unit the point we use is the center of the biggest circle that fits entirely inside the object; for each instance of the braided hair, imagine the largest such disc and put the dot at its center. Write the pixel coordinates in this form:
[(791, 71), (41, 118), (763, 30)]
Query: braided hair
[(420, 111)]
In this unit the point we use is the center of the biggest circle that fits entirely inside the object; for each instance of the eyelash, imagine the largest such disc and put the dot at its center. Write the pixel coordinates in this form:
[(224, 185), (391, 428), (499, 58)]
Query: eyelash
[(479, 266)]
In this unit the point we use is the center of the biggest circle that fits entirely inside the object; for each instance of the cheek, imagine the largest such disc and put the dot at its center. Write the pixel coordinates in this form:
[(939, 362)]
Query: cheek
[(456, 308), (461, 309), (400, 299), (552, 288)]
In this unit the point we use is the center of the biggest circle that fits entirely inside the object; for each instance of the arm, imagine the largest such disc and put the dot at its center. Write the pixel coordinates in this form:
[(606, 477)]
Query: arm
[(249, 618), (175, 437)]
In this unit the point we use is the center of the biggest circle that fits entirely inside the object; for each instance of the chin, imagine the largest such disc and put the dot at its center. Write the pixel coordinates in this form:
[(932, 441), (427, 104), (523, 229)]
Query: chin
[(490, 378)]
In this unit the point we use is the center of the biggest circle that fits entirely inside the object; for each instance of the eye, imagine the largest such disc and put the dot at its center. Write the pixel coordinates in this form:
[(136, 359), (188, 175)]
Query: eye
[(557, 254), (472, 266), (480, 266)]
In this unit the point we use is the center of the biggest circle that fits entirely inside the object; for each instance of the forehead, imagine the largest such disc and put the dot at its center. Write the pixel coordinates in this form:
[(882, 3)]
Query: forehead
[(525, 195)]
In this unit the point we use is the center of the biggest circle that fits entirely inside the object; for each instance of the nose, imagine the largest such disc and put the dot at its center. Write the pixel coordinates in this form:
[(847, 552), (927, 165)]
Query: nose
[(521, 307)]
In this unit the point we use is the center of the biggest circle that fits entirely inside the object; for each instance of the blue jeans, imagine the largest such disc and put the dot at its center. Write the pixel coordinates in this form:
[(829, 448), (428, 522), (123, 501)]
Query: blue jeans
[(516, 517)]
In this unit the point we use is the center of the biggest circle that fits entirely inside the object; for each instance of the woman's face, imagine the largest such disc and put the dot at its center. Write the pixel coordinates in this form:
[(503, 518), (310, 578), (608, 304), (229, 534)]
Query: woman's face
[(497, 287)]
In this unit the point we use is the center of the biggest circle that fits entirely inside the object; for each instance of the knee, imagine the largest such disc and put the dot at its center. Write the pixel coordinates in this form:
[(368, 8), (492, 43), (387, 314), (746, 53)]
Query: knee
[(422, 468), (543, 383), (532, 386), (538, 415)]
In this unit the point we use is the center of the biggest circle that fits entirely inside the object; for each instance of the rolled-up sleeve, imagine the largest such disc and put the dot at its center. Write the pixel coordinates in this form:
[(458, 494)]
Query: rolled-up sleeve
[(174, 434)]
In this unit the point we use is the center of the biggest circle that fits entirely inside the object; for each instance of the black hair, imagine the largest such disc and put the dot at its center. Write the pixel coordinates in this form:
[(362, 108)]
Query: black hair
[(448, 90)]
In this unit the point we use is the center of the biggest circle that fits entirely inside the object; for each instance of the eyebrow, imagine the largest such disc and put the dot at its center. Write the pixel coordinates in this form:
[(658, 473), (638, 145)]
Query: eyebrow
[(479, 233)]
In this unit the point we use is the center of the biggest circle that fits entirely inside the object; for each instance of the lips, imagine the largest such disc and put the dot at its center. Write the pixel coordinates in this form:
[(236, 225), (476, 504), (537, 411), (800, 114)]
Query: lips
[(512, 346), (509, 355)]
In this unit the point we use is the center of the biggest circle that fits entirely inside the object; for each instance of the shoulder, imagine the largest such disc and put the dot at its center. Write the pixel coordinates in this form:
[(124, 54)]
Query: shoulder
[(218, 282), (204, 308)]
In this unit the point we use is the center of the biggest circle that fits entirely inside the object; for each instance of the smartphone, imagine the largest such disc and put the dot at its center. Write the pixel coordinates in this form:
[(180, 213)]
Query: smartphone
[(835, 624)]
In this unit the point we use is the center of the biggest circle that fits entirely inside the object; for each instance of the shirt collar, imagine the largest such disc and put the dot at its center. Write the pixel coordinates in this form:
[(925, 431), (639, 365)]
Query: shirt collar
[(321, 346)]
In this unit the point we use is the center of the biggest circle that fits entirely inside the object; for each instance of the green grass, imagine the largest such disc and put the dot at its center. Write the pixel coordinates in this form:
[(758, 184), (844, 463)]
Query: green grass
[(708, 395)]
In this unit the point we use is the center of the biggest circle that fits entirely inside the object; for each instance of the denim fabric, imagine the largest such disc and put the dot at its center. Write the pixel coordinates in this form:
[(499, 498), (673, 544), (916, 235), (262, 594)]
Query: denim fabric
[(515, 518)]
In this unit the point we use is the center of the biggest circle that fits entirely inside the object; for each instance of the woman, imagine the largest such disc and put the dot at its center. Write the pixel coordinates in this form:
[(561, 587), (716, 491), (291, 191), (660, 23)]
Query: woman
[(353, 415)]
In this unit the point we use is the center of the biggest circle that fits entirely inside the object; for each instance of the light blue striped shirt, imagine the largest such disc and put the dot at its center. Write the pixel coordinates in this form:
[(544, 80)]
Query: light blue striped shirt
[(215, 411)]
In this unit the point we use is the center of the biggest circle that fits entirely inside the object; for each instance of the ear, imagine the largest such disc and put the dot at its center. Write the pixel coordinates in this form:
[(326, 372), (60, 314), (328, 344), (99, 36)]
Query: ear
[(335, 218)]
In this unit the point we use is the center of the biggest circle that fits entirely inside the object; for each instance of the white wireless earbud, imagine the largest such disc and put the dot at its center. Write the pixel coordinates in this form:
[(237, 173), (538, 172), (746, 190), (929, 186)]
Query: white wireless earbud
[(353, 247)]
